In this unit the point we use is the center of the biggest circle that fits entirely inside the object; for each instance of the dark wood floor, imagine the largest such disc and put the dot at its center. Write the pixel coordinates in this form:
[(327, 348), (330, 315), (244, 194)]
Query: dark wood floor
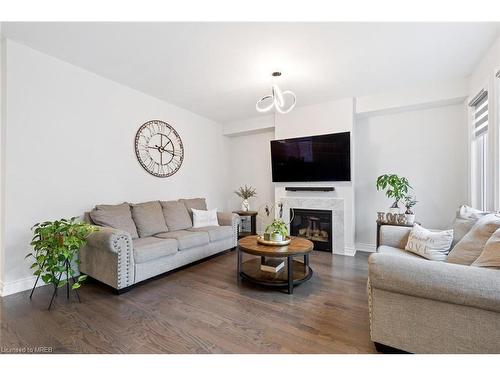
[(201, 309)]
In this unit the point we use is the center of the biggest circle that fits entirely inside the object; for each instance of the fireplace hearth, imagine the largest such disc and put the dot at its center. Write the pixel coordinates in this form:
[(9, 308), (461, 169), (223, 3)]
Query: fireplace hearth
[(315, 225)]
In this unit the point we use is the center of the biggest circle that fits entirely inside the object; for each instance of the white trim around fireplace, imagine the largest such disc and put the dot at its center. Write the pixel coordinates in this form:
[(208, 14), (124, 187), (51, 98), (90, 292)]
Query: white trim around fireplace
[(336, 205)]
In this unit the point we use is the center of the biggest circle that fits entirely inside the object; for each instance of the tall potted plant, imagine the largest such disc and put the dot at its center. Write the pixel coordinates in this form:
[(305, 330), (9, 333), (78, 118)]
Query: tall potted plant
[(395, 187), (246, 193), (56, 246)]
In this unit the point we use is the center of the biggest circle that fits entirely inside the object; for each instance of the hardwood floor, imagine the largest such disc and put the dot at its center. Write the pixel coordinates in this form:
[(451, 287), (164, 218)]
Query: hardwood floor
[(201, 309)]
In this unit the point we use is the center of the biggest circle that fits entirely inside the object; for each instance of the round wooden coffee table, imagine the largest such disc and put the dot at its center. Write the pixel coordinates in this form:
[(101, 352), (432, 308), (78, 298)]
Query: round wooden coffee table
[(293, 274)]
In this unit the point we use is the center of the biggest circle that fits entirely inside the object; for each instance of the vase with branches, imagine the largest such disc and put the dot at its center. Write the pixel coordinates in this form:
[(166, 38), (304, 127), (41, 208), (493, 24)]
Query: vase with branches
[(246, 192), (395, 187)]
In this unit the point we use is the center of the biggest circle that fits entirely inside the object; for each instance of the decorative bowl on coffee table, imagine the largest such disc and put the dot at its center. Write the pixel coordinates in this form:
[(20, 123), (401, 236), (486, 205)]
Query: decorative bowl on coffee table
[(263, 241)]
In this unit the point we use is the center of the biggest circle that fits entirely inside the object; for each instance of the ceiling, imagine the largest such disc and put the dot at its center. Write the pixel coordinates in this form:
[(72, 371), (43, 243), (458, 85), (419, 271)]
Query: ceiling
[(219, 70)]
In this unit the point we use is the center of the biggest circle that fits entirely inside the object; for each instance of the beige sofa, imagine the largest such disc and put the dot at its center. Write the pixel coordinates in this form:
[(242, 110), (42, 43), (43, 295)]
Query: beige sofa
[(138, 241), (422, 306)]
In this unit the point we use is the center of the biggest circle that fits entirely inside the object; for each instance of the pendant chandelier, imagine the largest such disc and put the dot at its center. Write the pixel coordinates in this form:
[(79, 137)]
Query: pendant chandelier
[(282, 101)]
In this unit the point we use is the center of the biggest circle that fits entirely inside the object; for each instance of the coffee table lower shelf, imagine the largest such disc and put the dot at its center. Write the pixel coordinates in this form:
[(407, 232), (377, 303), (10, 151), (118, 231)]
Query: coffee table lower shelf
[(250, 271)]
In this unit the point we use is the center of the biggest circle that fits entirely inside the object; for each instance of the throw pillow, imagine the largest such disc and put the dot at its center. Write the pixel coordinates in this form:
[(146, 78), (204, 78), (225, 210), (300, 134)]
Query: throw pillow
[(468, 249), (464, 221), (467, 212), (116, 216), (433, 245), (148, 218), (203, 218), (176, 215), (490, 256), (196, 203)]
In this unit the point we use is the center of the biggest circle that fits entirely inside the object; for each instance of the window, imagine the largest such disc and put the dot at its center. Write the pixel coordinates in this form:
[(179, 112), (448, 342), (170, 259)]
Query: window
[(479, 150)]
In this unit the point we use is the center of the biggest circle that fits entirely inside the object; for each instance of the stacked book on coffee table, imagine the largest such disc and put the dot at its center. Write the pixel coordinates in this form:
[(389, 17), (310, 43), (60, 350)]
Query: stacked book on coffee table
[(273, 265)]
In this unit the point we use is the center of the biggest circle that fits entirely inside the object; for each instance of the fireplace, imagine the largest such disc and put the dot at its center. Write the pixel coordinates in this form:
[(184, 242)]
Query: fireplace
[(315, 225)]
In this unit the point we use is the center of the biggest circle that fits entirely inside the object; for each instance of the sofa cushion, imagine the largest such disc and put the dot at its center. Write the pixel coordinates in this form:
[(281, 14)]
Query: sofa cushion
[(150, 248), (202, 218), (116, 216), (215, 233), (467, 212), (468, 249), (464, 221), (186, 239), (197, 203), (490, 256), (176, 215), (396, 251), (148, 218), (432, 245), (461, 226)]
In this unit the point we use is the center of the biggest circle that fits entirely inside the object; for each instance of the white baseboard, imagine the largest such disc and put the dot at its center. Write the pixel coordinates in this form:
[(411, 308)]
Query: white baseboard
[(16, 286), (348, 251), (366, 247)]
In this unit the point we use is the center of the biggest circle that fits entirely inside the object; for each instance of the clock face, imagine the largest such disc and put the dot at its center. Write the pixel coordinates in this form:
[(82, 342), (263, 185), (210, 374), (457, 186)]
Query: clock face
[(159, 148)]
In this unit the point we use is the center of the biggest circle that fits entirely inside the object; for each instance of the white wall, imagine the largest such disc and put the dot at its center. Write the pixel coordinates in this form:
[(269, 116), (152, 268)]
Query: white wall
[(435, 94), (323, 118), (250, 164), (427, 146), (70, 145), (485, 68), (2, 148)]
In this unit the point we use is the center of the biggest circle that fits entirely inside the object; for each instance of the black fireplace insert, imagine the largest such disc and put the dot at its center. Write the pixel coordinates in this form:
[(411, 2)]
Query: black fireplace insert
[(315, 225)]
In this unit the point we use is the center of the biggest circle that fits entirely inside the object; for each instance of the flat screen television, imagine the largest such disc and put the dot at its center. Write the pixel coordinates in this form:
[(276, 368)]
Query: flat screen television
[(317, 158)]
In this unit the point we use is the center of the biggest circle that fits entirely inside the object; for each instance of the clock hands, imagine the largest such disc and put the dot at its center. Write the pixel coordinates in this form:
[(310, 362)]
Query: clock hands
[(162, 148)]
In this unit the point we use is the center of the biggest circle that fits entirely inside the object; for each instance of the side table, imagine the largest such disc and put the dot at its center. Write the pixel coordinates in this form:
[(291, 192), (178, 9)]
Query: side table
[(253, 222), (381, 223)]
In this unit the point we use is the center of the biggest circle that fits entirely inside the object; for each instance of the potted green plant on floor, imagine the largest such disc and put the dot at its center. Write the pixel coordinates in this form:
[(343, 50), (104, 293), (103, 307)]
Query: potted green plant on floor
[(56, 246), (277, 230), (395, 187), (246, 193), (410, 202)]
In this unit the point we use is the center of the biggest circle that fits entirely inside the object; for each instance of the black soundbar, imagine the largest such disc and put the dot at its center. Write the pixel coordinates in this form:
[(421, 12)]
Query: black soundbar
[(315, 188)]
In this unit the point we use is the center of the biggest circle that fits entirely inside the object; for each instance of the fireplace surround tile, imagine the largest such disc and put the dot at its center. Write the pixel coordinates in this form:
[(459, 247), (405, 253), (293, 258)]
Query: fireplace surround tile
[(336, 205)]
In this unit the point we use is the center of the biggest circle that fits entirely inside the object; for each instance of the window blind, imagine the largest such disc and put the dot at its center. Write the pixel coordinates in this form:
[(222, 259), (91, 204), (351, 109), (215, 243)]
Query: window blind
[(480, 122)]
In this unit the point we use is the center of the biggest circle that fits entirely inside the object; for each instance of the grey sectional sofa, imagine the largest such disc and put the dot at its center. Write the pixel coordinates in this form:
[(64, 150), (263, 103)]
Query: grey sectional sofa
[(138, 241), (422, 306)]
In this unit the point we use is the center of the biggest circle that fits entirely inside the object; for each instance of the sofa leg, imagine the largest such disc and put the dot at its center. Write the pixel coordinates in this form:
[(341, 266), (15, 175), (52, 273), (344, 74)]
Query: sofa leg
[(122, 290), (385, 349)]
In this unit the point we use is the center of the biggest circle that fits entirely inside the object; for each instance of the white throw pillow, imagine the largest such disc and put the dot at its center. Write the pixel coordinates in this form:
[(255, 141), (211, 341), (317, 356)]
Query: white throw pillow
[(433, 245), (203, 218)]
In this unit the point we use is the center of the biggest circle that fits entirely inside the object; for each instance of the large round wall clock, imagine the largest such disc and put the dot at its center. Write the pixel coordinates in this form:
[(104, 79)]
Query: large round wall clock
[(159, 148)]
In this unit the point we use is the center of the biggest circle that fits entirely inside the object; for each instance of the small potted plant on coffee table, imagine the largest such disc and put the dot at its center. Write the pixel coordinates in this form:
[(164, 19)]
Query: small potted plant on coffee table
[(276, 231), (409, 203)]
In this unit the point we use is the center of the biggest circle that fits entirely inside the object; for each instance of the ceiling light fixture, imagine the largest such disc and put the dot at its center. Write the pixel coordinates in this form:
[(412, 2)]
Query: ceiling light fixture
[(276, 99)]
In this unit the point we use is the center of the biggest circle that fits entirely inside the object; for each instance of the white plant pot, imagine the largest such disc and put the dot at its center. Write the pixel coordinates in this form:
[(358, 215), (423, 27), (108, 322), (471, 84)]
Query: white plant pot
[(410, 219), (276, 237), (245, 205)]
